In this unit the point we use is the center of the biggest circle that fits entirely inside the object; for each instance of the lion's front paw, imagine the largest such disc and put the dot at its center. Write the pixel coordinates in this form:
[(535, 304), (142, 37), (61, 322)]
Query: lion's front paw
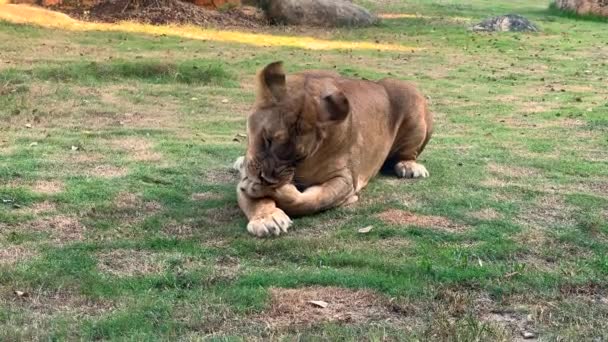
[(239, 164), (411, 169), (254, 189), (273, 223)]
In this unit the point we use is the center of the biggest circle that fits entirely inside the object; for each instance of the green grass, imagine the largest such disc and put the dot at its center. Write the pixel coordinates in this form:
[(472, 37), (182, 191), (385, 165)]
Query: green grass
[(189, 72), (134, 233)]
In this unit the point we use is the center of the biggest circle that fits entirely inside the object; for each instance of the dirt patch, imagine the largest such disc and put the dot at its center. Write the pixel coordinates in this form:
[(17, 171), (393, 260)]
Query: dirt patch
[(568, 123), (223, 215), (486, 214), (160, 12), (48, 187), (221, 176), (399, 244), (51, 303), (536, 262), (514, 322), (289, 307), (590, 289), (178, 229), (131, 201), (15, 254), (533, 237), (6, 147), (127, 200), (549, 211), (128, 263), (205, 196), (39, 208), (63, 229), (107, 171), (225, 269), (512, 171), (494, 183), (129, 209), (138, 149), (402, 217), (79, 157)]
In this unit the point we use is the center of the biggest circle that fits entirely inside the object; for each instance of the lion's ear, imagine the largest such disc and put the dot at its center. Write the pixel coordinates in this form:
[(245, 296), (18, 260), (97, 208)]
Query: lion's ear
[(334, 107), (271, 83)]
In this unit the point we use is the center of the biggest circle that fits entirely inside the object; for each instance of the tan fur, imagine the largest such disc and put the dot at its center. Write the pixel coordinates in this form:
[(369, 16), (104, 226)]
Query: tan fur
[(326, 135)]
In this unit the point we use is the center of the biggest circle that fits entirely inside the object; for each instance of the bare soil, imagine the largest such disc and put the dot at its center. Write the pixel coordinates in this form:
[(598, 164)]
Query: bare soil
[(162, 12), (292, 306), (402, 217)]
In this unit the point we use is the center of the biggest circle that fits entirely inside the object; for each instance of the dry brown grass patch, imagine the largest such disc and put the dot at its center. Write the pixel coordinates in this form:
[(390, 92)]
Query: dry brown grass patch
[(223, 215), (494, 183), (139, 149), (43, 303), (534, 237), (38, 208), (486, 214), (15, 254), (178, 229), (514, 322), (512, 171), (205, 196), (48, 187), (107, 171), (548, 211), (130, 208), (393, 243), (226, 268), (127, 200), (220, 176), (81, 157), (63, 229), (402, 217), (127, 263), (289, 307)]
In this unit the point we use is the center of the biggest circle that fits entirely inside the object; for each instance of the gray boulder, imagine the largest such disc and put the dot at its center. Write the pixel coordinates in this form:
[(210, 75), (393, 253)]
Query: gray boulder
[(597, 7), (506, 23), (329, 13)]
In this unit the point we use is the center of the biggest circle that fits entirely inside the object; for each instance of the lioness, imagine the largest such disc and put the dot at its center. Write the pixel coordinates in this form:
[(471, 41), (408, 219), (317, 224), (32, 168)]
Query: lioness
[(316, 139)]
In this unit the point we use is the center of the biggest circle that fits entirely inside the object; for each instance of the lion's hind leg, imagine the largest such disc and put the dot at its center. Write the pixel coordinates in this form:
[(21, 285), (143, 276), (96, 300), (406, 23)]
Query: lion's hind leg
[(406, 151), (410, 169)]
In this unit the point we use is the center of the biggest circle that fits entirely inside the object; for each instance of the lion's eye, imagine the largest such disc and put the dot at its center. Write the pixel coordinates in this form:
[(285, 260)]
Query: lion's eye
[(280, 137)]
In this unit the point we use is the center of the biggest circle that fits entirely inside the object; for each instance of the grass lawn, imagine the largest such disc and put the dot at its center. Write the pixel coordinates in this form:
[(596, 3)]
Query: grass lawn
[(118, 214)]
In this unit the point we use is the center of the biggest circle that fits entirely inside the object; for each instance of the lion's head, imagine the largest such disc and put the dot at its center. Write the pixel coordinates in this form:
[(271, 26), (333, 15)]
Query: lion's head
[(289, 121)]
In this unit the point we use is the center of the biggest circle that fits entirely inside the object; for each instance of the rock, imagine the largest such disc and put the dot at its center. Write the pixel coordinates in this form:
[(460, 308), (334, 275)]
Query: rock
[(329, 13), (506, 23), (597, 7)]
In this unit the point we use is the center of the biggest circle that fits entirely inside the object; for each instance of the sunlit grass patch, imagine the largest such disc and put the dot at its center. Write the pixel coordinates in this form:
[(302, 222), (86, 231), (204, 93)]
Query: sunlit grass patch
[(45, 18)]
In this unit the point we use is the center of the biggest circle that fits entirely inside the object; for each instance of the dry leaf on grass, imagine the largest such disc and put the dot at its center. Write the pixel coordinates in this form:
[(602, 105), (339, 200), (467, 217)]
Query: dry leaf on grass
[(365, 230), (21, 294), (318, 303)]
